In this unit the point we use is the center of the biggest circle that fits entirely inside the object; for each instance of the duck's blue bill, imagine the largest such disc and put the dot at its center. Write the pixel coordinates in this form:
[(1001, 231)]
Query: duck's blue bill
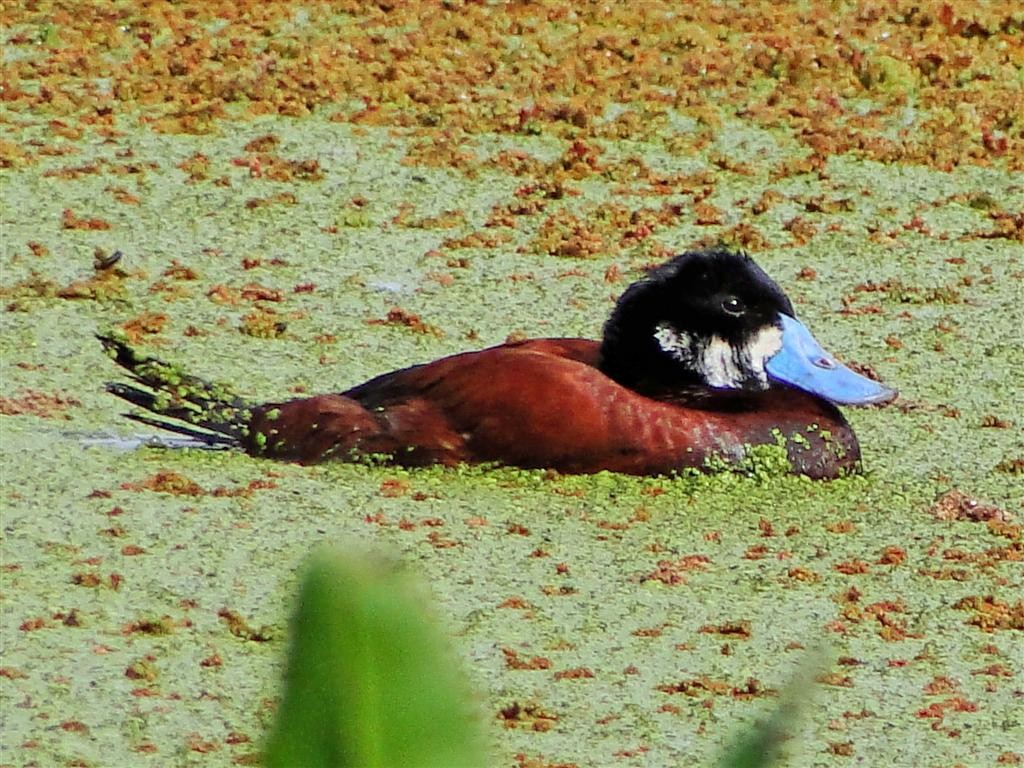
[(802, 363)]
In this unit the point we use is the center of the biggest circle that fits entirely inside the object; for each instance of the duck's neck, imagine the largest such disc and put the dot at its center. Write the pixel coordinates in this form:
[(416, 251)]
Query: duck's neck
[(640, 365), (631, 355)]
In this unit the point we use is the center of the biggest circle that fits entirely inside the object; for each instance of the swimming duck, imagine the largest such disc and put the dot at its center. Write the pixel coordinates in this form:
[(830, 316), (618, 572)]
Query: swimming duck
[(700, 359)]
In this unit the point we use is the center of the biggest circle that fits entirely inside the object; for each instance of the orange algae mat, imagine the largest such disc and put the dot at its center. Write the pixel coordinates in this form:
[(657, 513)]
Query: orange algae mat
[(547, 67)]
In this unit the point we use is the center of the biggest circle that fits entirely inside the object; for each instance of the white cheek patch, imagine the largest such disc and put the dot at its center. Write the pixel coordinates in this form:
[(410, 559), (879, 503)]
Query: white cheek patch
[(719, 363), (679, 346), (759, 350)]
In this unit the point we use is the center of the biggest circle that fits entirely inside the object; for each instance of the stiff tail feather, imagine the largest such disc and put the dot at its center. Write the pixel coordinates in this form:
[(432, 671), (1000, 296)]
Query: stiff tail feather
[(188, 405)]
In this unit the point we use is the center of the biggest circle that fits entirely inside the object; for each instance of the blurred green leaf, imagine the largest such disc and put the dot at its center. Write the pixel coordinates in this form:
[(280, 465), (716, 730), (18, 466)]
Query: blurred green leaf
[(759, 747), (371, 680)]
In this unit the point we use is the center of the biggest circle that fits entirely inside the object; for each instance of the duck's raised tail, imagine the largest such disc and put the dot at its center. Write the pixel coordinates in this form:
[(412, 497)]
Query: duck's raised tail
[(176, 401)]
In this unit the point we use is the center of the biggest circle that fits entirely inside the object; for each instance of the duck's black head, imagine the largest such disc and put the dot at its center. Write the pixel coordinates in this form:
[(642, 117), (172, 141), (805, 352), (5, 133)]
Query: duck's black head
[(713, 319)]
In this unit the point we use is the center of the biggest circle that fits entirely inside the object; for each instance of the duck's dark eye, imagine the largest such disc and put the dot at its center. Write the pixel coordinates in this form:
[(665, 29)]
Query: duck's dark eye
[(734, 306)]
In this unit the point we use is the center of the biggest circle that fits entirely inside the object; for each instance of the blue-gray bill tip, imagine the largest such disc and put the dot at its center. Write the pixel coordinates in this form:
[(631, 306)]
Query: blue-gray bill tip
[(802, 363)]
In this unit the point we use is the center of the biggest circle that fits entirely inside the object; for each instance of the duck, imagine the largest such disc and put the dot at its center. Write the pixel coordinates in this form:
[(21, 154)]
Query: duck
[(701, 361)]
